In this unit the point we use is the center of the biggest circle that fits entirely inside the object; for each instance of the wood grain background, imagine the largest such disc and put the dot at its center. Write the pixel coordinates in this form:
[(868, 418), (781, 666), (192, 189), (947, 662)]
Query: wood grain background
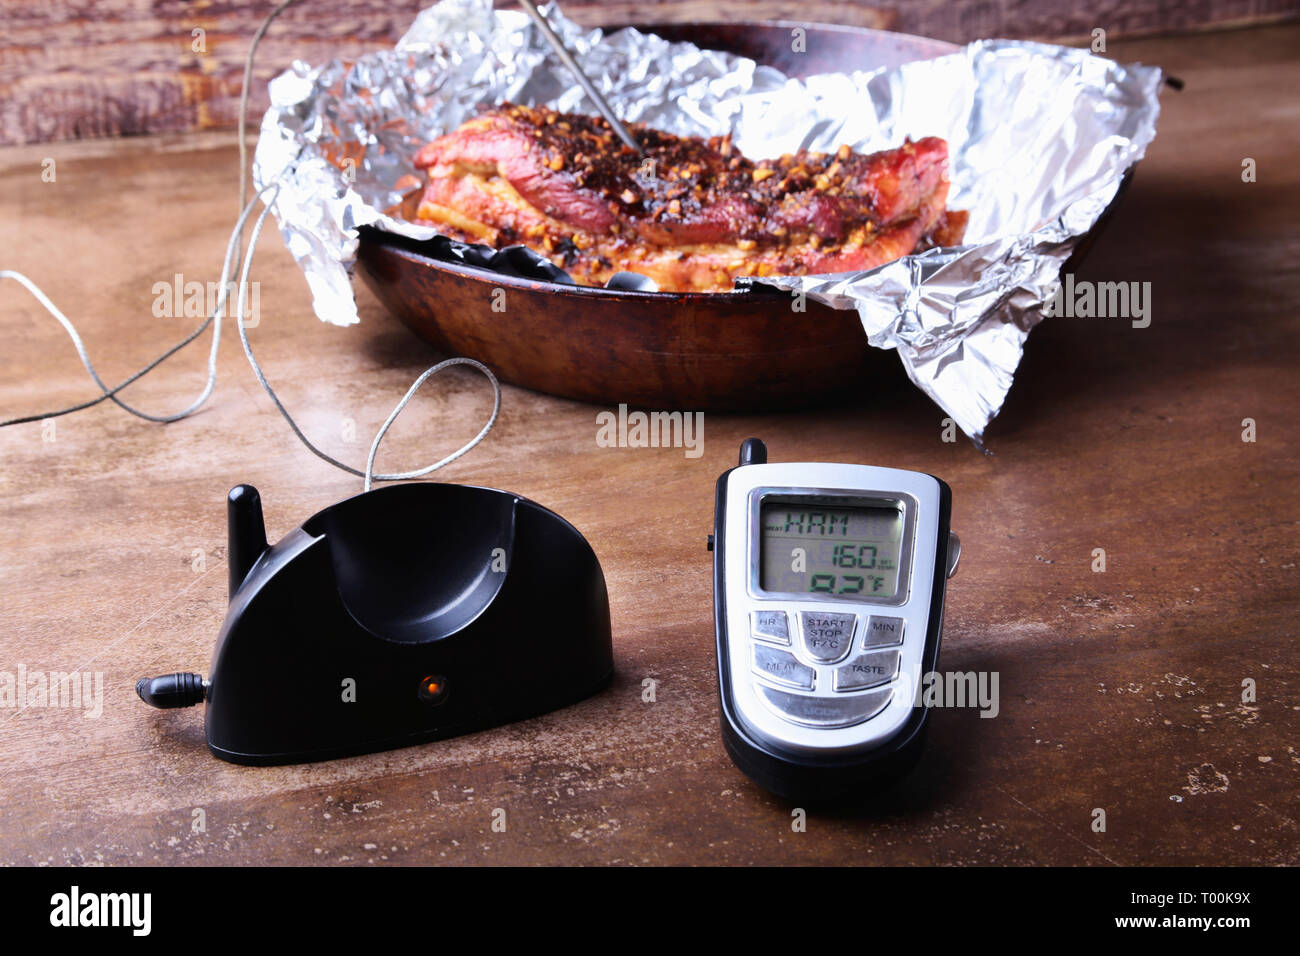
[(1119, 690), (71, 69)]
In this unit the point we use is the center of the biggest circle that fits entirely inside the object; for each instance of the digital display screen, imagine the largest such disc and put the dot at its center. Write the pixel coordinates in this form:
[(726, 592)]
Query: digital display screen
[(807, 547)]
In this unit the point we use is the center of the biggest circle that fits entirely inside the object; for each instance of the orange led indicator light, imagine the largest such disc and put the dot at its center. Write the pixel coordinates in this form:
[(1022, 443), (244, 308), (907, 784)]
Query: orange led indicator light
[(433, 688)]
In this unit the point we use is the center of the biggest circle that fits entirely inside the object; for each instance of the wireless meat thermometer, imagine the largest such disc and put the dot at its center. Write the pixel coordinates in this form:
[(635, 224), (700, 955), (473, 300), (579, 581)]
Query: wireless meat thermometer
[(828, 588)]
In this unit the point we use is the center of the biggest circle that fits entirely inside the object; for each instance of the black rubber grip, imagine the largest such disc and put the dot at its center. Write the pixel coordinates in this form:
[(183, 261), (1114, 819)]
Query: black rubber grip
[(172, 690)]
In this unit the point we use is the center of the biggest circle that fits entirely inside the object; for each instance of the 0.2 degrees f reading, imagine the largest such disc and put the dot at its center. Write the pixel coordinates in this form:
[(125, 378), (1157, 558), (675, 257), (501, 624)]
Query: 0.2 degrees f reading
[(810, 548)]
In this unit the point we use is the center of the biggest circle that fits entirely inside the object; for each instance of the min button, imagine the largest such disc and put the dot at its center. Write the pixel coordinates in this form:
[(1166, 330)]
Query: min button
[(882, 631)]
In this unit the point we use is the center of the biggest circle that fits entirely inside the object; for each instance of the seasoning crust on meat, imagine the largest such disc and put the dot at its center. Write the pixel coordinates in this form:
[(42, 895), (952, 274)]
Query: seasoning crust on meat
[(692, 214)]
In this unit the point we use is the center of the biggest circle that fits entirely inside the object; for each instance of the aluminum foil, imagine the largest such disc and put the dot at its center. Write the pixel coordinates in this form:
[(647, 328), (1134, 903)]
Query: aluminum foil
[(1040, 138)]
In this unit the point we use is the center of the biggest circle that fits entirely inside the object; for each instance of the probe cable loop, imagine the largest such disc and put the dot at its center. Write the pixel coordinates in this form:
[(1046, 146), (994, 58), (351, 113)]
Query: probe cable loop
[(214, 319), (368, 474), (234, 251), (80, 346)]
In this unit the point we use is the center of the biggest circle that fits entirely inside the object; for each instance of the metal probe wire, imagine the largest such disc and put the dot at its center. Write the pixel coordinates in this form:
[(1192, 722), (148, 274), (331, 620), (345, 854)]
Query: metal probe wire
[(588, 87)]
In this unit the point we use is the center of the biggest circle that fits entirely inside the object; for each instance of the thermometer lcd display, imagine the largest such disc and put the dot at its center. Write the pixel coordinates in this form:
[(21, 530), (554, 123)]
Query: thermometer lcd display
[(808, 547)]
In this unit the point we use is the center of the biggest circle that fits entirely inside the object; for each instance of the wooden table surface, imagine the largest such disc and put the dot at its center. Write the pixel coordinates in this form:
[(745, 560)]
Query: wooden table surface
[(1119, 690)]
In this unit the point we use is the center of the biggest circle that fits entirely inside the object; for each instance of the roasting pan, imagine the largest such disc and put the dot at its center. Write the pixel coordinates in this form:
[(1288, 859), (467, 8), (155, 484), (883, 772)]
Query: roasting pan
[(699, 351)]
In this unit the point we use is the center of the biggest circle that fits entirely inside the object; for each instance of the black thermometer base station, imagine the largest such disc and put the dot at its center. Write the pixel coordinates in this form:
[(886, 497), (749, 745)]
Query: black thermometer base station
[(828, 608), (407, 614)]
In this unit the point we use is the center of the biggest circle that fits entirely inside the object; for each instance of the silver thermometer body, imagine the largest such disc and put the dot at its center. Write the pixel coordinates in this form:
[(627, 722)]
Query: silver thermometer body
[(828, 604)]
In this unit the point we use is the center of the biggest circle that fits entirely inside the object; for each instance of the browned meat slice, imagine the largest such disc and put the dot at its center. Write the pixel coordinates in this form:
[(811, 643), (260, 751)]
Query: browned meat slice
[(692, 214)]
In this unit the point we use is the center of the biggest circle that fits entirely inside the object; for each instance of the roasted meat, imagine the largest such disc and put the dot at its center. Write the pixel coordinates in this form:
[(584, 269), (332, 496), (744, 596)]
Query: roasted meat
[(692, 214)]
